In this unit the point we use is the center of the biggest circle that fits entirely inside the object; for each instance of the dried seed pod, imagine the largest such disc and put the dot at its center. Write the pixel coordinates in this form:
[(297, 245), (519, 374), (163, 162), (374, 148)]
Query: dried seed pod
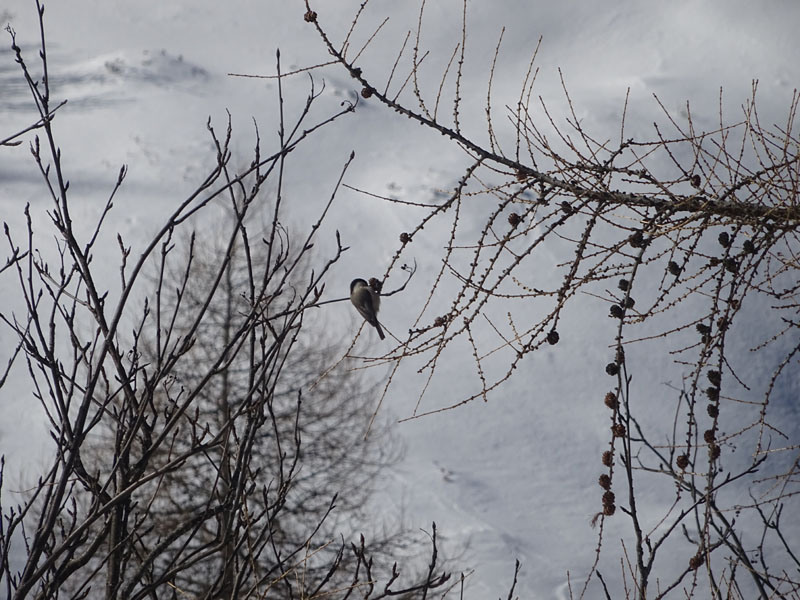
[(703, 329), (637, 240), (696, 561), (749, 247), (367, 92), (712, 393), (624, 284), (618, 429), (674, 268), (628, 302), (714, 451), (608, 458), (724, 239), (709, 436), (552, 337), (310, 16), (682, 462), (713, 411), (612, 368), (611, 401), (731, 265), (695, 181), (405, 238), (605, 481), (616, 311), (609, 509), (514, 219), (714, 377)]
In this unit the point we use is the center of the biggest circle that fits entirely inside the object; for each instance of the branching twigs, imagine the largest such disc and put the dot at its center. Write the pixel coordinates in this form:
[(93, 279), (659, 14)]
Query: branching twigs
[(675, 234), (194, 455)]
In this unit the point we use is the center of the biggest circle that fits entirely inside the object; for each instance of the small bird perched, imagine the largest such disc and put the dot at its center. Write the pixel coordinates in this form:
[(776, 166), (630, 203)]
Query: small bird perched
[(367, 301)]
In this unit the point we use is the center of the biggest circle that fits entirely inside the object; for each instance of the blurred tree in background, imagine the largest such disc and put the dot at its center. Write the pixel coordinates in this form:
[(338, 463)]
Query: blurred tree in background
[(313, 435)]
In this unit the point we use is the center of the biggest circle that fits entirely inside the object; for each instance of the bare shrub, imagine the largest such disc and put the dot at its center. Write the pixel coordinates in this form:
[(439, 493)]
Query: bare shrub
[(193, 456)]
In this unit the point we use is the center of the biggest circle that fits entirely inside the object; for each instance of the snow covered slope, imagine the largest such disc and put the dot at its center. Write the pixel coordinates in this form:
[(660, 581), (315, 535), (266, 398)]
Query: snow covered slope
[(512, 478)]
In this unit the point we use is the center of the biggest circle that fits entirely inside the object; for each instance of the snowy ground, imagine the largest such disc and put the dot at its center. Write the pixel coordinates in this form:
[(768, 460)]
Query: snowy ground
[(512, 478)]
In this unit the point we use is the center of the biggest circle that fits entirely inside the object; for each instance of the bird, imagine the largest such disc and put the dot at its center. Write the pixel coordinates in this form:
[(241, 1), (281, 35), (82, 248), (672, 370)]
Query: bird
[(367, 301)]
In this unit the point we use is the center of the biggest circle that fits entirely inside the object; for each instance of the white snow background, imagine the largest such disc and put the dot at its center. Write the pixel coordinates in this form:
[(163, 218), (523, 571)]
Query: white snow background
[(511, 478)]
